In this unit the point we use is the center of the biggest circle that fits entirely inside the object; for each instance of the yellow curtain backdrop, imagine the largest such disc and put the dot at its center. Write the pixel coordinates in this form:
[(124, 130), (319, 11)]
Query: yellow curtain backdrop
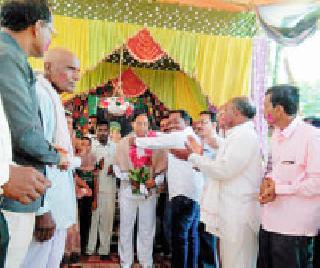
[(223, 67), (220, 65), (175, 89), (72, 34)]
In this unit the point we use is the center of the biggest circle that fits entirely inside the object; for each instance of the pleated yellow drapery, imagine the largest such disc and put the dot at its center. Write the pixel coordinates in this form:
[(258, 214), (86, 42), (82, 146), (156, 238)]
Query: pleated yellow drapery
[(72, 34), (220, 65), (223, 67)]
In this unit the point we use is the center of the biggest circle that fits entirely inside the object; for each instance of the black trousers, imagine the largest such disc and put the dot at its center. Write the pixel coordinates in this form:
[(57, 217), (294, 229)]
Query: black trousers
[(4, 239), (85, 213), (207, 248), (283, 251), (316, 258)]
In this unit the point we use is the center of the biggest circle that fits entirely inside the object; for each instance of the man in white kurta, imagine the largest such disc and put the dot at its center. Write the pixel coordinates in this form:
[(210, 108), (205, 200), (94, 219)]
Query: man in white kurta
[(59, 211), (229, 205), (103, 215)]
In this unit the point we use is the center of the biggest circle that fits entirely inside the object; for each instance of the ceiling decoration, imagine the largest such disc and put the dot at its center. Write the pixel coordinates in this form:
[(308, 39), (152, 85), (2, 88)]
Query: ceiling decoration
[(149, 13)]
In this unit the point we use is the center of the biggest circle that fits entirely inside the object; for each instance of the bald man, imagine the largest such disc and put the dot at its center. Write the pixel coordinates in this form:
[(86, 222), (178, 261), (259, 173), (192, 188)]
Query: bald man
[(61, 73)]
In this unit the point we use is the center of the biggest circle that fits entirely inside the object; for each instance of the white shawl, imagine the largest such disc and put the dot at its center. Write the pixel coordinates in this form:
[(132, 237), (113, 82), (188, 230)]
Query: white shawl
[(61, 136)]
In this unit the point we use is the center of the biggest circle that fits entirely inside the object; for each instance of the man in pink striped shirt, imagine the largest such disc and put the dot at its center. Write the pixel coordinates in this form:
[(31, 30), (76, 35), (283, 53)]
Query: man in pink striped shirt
[(291, 193)]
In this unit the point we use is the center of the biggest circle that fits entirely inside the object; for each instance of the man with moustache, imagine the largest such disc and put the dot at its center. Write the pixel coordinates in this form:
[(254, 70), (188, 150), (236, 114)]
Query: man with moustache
[(103, 211), (290, 194)]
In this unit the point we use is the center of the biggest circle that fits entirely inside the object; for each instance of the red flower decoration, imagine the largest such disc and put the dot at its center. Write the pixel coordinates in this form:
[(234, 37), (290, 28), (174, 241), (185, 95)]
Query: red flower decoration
[(104, 103), (77, 102), (76, 115), (129, 111)]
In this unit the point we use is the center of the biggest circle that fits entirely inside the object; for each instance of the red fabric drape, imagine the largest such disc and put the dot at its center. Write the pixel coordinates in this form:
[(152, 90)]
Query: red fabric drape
[(143, 47), (132, 86)]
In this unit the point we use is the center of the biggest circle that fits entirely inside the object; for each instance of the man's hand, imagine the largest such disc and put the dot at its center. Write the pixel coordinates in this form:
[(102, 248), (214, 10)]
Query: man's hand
[(44, 227), (25, 184), (64, 157), (193, 146), (212, 142), (267, 191), (182, 154), (150, 183)]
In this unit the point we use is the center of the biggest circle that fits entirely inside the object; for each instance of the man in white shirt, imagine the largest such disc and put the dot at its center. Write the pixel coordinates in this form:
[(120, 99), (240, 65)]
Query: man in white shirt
[(208, 242), (229, 206), (23, 184), (185, 187), (103, 214)]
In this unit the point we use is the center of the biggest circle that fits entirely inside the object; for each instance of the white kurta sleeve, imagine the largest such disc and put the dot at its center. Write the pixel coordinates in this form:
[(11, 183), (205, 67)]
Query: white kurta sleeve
[(4, 174), (238, 153), (124, 176)]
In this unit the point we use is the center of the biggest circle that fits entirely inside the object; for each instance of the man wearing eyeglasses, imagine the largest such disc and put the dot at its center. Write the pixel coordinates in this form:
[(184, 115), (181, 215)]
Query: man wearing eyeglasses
[(26, 30)]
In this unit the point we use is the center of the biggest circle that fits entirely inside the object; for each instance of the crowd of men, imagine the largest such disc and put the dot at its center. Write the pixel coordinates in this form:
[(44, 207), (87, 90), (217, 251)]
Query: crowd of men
[(220, 208)]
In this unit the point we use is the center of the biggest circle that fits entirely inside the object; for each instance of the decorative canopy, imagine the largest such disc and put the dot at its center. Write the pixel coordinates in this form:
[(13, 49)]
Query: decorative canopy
[(143, 47), (132, 86)]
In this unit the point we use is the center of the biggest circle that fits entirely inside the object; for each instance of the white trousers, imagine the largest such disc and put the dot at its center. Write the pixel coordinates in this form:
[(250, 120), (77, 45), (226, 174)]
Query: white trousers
[(46, 254), (21, 226), (242, 253), (102, 223), (146, 229)]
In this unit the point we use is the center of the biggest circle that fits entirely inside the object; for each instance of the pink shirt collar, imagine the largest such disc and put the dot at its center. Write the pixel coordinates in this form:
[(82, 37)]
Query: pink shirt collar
[(289, 130)]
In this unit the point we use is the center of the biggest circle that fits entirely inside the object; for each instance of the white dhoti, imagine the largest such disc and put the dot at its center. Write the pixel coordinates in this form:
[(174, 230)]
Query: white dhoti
[(241, 253), (146, 228), (102, 223), (46, 254), (21, 226)]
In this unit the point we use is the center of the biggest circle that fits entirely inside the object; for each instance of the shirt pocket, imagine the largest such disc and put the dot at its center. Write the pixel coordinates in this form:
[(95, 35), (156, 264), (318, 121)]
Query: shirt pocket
[(289, 170)]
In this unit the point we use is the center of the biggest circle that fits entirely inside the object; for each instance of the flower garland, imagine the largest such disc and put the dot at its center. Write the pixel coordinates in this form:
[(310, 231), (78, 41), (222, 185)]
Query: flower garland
[(144, 160)]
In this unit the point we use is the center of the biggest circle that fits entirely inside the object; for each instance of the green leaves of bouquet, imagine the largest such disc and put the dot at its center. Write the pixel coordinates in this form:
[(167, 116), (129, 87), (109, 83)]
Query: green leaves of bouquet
[(139, 176)]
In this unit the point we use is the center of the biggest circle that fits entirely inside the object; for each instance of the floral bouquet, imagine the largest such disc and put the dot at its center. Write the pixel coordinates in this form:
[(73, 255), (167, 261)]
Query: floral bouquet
[(141, 171), (138, 178)]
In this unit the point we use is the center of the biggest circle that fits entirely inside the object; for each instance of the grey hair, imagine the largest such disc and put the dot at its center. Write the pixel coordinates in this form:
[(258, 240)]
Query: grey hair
[(244, 106)]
